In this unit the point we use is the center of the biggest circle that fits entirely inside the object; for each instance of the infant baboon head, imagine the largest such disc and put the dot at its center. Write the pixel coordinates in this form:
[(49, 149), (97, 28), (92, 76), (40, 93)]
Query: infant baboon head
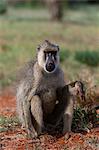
[(48, 56)]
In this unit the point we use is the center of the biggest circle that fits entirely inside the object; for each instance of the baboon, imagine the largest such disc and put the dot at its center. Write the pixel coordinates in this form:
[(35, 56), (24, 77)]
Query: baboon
[(77, 89), (42, 94)]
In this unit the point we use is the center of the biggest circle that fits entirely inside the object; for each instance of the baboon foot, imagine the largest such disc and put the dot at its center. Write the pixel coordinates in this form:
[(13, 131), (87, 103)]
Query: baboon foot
[(32, 134), (66, 135)]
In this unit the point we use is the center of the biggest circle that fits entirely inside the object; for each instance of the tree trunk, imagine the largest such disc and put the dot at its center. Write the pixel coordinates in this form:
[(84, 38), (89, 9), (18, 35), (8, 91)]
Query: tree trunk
[(55, 9)]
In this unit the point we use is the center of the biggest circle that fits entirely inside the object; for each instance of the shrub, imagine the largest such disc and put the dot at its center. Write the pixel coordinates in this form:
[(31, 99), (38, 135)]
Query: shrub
[(90, 58), (3, 6), (64, 55), (83, 119)]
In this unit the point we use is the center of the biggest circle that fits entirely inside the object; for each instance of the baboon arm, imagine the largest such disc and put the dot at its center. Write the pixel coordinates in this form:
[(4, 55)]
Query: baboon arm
[(37, 113), (34, 92), (67, 117), (28, 120)]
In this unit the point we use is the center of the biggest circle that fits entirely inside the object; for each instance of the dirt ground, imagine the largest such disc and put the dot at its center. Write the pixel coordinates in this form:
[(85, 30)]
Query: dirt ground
[(16, 138)]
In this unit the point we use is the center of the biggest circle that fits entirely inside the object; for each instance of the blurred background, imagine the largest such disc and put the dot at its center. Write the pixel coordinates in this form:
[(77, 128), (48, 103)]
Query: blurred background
[(72, 24)]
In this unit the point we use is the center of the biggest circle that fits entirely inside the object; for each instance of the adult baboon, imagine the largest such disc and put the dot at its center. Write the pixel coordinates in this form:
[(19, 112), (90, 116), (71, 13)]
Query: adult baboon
[(42, 95)]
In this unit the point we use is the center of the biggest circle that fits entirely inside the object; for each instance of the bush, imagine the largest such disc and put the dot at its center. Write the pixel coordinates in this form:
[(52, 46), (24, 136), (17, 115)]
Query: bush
[(64, 55), (80, 119), (83, 119), (3, 6), (90, 58)]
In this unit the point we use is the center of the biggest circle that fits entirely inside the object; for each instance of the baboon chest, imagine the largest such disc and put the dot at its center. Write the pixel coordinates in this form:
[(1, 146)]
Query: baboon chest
[(49, 100), (48, 85)]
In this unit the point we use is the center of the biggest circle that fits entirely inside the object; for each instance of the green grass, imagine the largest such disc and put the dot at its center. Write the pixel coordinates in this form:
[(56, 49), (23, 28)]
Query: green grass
[(8, 123), (84, 14), (4, 121), (64, 54), (90, 58), (21, 30)]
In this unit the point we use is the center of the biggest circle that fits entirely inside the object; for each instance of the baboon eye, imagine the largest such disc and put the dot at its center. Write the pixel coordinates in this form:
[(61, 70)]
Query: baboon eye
[(45, 55), (54, 53), (55, 57)]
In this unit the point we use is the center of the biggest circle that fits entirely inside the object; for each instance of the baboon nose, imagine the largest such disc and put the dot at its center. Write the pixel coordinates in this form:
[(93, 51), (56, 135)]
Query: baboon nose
[(50, 64), (50, 67)]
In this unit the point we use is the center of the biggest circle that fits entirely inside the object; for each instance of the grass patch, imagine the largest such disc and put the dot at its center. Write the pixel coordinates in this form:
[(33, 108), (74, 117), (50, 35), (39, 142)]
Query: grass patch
[(8, 123), (83, 14), (33, 4), (7, 80), (91, 58), (4, 121)]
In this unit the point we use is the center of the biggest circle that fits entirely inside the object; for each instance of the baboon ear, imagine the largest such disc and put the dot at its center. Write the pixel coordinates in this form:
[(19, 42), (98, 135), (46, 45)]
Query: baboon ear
[(46, 41), (38, 48)]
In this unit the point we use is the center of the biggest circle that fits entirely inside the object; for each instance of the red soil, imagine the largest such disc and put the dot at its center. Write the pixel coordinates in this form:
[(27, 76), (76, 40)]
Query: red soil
[(16, 139)]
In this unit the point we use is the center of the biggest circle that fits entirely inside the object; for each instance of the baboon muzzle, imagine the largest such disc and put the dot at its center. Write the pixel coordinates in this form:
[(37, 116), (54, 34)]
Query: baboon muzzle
[(50, 66)]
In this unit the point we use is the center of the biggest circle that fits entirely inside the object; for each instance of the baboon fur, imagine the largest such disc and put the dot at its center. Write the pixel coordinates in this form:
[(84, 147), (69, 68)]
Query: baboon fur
[(43, 97)]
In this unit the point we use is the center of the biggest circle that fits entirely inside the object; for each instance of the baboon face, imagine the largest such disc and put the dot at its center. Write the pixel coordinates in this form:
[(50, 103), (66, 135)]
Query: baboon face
[(48, 56), (80, 89)]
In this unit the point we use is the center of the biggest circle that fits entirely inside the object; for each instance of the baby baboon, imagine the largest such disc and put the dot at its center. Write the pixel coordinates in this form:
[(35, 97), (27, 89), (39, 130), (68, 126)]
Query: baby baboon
[(77, 89), (42, 92), (71, 92)]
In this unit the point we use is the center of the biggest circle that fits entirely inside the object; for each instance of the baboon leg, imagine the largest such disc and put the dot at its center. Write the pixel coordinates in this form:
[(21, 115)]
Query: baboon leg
[(37, 114), (28, 120), (20, 112), (67, 118)]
